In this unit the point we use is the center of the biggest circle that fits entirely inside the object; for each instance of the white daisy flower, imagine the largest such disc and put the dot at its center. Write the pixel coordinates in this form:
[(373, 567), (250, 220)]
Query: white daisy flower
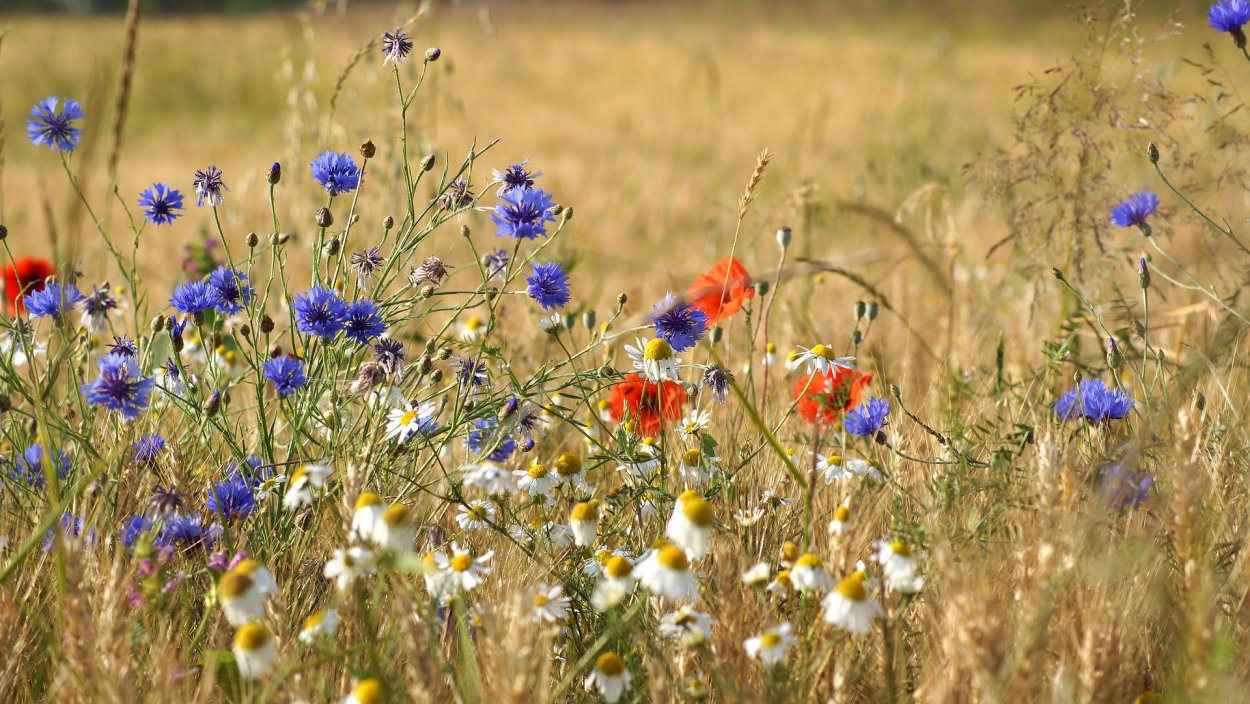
[(850, 607), (242, 595), (640, 470), (388, 397), (409, 420), (569, 470), (253, 651), (774, 500), (269, 486), (781, 585), (748, 517), (690, 526), (756, 574), (476, 515), (694, 424), (900, 565), (770, 354), (321, 623), (472, 328), (617, 583), (367, 691), (691, 468), (610, 677), (771, 646), (809, 575), (346, 565), (439, 582), (491, 477), (552, 323), (18, 352), (469, 571), (535, 481), (654, 358), (395, 529), (368, 510), (550, 604), (841, 522), (307, 480), (584, 521), (820, 358), (666, 573), (691, 628), (793, 361)]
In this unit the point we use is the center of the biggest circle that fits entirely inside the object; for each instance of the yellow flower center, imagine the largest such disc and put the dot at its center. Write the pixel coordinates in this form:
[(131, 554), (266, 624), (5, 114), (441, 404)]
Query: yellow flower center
[(698, 511), (568, 464), (658, 350), (610, 664), (793, 356), (824, 352), (688, 494), (853, 587), (834, 460), (603, 404), (234, 585), (367, 499), (770, 640), (673, 558), (314, 620), (692, 457), (474, 323), (900, 548), (396, 514), (541, 600), (368, 692), (427, 561), (477, 512), (789, 551), (251, 636), (618, 566), (841, 514), (538, 471), (585, 511), (808, 560), (299, 474), (770, 348), (462, 562), (408, 417), (247, 566)]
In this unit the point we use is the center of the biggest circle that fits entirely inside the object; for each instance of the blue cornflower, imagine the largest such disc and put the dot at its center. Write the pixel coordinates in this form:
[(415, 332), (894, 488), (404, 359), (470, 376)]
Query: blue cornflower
[(133, 528), (209, 187), (678, 323), (470, 372), (232, 289), (868, 418), (181, 531), (231, 499), (549, 285), (364, 322), (336, 172), (176, 325), (29, 467), (70, 526), (514, 177), (522, 213), (53, 301), (286, 373), (48, 128), (319, 312), (160, 203), (96, 307), (1133, 211), (1095, 401), (1124, 489), (123, 346), (148, 449), (501, 448), (395, 46), (194, 297), (1229, 16), (390, 354), (120, 386)]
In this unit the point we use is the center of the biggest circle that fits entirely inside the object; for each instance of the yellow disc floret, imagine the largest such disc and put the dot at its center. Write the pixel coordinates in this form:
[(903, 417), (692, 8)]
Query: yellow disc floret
[(658, 350), (673, 558), (251, 636), (610, 664)]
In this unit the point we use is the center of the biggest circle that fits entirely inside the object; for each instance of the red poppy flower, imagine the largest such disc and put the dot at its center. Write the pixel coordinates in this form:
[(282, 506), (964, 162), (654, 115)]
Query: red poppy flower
[(720, 291), (24, 275), (829, 395), (650, 404)]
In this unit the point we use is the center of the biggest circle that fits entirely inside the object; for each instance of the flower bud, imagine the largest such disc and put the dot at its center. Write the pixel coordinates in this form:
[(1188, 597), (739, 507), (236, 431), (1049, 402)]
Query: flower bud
[(266, 324), (872, 311), (158, 323), (275, 174), (1057, 273), (4, 233), (526, 445), (717, 333), (469, 404), (436, 377), (784, 235), (622, 298), (1113, 354), (333, 247), (432, 54), (275, 239), (245, 330), (861, 309), (567, 213), (444, 354), (569, 320), (1143, 273), (214, 403), (588, 320), (324, 217), (1152, 153), (367, 150), (464, 231), (6, 404), (425, 364), (426, 291), (509, 408), (252, 240), (761, 288), (427, 162), (388, 222), (857, 338)]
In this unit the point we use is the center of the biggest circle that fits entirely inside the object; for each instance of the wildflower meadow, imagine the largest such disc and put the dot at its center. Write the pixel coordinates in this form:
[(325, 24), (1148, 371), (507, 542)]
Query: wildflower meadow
[(344, 399)]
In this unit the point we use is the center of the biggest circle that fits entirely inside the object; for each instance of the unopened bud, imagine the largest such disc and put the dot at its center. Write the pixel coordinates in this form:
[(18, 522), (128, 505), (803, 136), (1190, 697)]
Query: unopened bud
[(622, 298), (588, 320), (275, 174), (275, 351), (509, 408), (464, 231), (1143, 273), (567, 213), (607, 372), (284, 238), (425, 364), (432, 54), (324, 217), (1113, 354), (872, 311), (784, 235), (6, 404), (444, 354), (158, 323), (1152, 153), (388, 222), (274, 239), (1057, 273), (761, 288), (266, 324), (861, 309), (429, 346), (427, 162), (427, 291), (245, 330), (252, 240), (333, 247), (367, 150), (4, 233), (857, 338), (1077, 376), (568, 321), (436, 376), (526, 445), (717, 333), (214, 403)]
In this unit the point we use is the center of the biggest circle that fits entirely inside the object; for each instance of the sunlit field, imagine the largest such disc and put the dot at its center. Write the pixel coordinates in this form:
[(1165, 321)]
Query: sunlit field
[(625, 352)]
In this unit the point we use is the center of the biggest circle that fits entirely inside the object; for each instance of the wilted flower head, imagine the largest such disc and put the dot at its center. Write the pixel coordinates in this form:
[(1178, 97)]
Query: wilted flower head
[(459, 195), (717, 380), (395, 46), (432, 270), (515, 176), (366, 264), (209, 187), (496, 263), (46, 127), (96, 307)]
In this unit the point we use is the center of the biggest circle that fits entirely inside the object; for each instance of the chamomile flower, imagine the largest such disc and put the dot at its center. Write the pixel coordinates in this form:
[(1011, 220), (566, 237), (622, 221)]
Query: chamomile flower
[(440, 583), (348, 565), (695, 688), (770, 354), (771, 646), (781, 585), (253, 651), (242, 596), (367, 511), (535, 481), (395, 529), (693, 425), (550, 604), (476, 515), (841, 522), (694, 467), (490, 477), (747, 517), (617, 583), (468, 570), (773, 500), (900, 564), (18, 350), (820, 358), (472, 329), (809, 575), (306, 481), (321, 623), (552, 323), (690, 526), (569, 470), (584, 520), (655, 359), (666, 574), (756, 574), (686, 625), (849, 606), (794, 359), (641, 469), (408, 420), (610, 677), (366, 691), (269, 486)]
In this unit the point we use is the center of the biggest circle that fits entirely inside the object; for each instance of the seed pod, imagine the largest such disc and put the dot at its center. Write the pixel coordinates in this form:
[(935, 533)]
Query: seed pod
[(861, 309), (4, 233), (436, 377), (323, 217), (252, 240), (872, 311), (367, 150), (333, 247), (245, 330), (388, 222), (784, 235), (266, 324)]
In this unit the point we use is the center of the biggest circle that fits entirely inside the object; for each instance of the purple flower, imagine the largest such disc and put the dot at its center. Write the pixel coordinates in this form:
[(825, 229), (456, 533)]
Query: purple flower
[(364, 322), (46, 127), (194, 297), (336, 172), (160, 203), (678, 323), (523, 213), (319, 312), (232, 289), (119, 387), (52, 301), (868, 418), (1094, 401), (1133, 211), (549, 285), (1124, 489), (286, 373)]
